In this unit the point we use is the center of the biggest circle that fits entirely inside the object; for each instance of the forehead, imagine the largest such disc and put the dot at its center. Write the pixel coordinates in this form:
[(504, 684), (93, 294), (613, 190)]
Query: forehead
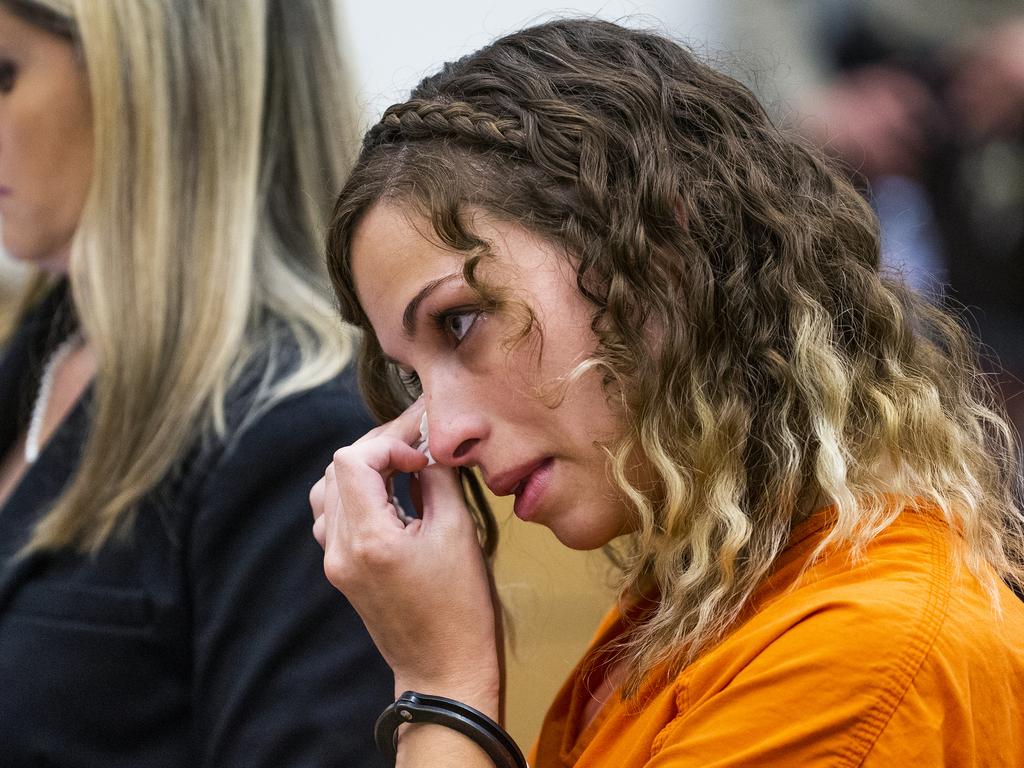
[(19, 36), (393, 257), (12, 29)]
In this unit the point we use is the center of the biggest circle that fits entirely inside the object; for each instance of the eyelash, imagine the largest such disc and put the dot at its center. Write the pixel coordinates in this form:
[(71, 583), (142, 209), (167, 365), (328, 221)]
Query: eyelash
[(440, 321), (8, 76), (411, 383), (410, 379)]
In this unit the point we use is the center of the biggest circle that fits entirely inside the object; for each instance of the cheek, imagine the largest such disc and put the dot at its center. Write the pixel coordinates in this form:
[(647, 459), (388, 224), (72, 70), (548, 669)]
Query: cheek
[(45, 246), (41, 214), (74, 174), (57, 142), (53, 182)]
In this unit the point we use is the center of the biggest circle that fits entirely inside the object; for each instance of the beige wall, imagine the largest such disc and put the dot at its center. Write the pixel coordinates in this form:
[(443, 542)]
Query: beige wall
[(555, 598)]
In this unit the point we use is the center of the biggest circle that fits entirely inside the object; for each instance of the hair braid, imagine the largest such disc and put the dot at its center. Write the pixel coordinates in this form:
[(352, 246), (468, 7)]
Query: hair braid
[(424, 119), (759, 357)]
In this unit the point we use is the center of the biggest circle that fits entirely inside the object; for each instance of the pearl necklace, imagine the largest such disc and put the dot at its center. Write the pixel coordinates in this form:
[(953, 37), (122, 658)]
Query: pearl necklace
[(35, 425)]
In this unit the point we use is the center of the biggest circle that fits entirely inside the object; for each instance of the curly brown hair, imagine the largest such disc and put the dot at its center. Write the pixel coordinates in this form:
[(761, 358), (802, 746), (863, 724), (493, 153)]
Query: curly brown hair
[(762, 361)]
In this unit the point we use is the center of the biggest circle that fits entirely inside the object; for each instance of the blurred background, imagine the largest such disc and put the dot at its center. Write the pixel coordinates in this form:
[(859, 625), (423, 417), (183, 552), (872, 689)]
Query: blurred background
[(923, 102)]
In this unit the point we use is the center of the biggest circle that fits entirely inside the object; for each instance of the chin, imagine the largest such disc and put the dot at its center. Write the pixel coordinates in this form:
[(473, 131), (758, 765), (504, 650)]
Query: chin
[(46, 261), (583, 538)]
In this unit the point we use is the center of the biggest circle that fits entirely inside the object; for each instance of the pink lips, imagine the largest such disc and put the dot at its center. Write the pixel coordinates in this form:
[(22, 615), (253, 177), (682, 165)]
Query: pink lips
[(530, 490), (527, 482)]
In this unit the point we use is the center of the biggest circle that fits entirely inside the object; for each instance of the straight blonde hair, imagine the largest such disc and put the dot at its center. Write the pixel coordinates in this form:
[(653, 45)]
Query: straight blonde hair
[(221, 130)]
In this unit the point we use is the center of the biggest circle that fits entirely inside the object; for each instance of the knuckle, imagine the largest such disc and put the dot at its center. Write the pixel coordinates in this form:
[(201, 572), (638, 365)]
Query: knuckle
[(363, 557), (336, 569), (371, 553), (344, 459)]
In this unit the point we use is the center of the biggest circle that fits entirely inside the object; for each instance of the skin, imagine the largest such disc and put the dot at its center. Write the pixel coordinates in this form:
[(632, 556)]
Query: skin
[(485, 402), (45, 171), (482, 397), (45, 143)]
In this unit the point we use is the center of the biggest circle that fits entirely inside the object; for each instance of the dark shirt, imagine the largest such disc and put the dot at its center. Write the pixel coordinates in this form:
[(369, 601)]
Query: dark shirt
[(207, 637)]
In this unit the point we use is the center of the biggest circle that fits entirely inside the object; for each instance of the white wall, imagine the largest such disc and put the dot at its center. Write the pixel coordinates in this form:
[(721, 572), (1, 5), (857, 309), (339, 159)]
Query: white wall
[(393, 44)]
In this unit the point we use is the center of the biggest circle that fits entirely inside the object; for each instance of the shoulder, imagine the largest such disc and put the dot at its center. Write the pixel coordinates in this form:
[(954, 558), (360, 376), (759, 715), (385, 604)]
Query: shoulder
[(899, 586), (846, 606), (291, 440), (881, 616), (255, 408), (250, 498), (275, 437), (332, 412), (826, 661), (270, 417)]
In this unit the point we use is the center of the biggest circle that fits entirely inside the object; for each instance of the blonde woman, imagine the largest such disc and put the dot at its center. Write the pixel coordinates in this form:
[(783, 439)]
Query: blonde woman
[(165, 166), (633, 304)]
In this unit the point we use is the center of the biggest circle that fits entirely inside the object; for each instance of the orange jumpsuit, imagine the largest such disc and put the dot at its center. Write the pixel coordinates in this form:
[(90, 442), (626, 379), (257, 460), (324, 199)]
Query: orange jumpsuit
[(896, 660)]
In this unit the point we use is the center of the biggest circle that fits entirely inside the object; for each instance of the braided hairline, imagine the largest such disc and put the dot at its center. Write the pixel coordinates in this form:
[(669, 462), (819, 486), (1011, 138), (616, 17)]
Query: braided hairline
[(421, 119)]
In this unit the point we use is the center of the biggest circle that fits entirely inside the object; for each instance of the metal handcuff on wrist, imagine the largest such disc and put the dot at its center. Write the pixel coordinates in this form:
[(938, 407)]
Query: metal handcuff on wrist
[(413, 707)]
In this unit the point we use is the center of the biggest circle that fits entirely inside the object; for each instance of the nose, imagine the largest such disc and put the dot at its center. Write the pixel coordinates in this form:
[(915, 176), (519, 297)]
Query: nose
[(456, 428)]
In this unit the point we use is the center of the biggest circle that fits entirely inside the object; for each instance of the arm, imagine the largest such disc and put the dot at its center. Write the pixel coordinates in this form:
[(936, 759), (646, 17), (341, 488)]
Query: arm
[(434, 746), (284, 673), (422, 588)]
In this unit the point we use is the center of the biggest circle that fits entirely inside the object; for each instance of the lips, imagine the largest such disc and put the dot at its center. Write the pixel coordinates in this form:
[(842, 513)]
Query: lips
[(528, 482), (530, 491), (507, 482)]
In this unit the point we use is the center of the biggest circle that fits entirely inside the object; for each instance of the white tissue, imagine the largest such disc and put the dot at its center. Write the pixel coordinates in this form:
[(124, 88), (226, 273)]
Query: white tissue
[(423, 445)]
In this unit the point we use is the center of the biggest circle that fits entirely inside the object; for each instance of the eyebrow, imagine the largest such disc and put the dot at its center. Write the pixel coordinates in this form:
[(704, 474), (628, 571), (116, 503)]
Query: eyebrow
[(409, 316)]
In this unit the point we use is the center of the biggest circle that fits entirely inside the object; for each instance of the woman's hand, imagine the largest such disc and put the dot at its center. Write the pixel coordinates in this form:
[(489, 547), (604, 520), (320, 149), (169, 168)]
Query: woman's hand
[(421, 588)]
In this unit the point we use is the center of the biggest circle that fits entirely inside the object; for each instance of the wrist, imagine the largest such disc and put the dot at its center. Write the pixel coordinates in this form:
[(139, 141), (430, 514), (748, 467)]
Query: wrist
[(424, 724), (429, 744), (480, 691)]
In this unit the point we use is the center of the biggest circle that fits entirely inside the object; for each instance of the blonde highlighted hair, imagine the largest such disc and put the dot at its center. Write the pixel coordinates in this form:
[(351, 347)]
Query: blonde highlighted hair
[(222, 131), (763, 364)]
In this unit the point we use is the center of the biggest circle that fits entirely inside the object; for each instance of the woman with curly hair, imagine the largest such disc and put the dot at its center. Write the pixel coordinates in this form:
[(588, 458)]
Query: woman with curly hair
[(591, 268)]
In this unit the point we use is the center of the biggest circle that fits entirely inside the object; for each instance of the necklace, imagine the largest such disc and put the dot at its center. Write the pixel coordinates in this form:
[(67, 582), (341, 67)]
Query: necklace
[(35, 425)]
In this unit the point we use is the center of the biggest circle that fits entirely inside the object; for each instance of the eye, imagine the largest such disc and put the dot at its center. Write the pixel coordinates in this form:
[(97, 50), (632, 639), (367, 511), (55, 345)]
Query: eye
[(8, 75), (458, 324), (411, 382)]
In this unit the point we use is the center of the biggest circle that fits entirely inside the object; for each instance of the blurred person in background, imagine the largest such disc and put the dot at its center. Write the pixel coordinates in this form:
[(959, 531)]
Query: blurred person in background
[(173, 386), (931, 122), (980, 199), (592, 268)]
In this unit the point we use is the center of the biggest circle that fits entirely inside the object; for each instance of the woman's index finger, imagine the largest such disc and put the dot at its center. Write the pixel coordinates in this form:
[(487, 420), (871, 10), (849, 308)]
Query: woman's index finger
[(405, 427)]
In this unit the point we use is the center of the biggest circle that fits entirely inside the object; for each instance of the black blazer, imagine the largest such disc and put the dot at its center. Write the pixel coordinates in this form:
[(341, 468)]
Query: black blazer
[(209, 637)]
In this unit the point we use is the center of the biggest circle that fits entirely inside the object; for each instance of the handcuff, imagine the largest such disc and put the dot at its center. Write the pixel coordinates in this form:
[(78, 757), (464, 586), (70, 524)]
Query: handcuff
[(413, 707)]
